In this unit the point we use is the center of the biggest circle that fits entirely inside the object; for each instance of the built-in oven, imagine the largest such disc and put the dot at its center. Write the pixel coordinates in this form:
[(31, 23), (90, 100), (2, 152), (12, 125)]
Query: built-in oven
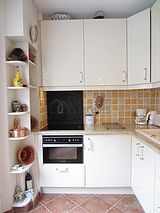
[(62, 148)]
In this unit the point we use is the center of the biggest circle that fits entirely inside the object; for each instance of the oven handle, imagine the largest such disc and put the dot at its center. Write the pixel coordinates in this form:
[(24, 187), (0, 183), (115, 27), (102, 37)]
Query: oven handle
[(62, 145)]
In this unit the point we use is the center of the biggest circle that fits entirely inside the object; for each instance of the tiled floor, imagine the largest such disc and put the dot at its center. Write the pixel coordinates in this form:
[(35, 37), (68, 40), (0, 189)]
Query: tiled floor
[(82, 203)]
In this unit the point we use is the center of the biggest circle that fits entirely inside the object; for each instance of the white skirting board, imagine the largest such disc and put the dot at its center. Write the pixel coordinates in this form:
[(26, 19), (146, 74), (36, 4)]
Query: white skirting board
[(126, 190)]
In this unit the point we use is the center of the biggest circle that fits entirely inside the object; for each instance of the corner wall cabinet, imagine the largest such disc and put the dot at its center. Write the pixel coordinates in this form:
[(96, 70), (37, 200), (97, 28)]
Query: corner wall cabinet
[(143, 174), (155, 42), (138, 31)]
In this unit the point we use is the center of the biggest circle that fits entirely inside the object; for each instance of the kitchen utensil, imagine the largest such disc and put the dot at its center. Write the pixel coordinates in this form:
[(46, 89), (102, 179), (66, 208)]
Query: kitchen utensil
[(89, 118), (34, 123), (17, 54), (16, 123), (26, 155), (141, 117), (99, 101), (16, 107), (24, 107), (150, 117), (16, 133)]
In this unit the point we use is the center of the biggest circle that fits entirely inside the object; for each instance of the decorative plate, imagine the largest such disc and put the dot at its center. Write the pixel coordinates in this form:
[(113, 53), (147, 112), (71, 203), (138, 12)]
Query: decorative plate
[(34, 33)]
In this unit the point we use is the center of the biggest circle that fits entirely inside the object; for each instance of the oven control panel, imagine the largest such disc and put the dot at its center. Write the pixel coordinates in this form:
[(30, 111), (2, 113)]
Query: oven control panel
[(61, 139)]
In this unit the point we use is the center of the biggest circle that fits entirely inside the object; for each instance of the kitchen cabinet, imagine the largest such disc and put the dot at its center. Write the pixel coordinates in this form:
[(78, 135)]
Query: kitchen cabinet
[(61, 175), (143, 167), (62, 53), (105, 52), (157, 185), (107, 160), (17, 20), (58, 175), (155, 42), (138, 31)]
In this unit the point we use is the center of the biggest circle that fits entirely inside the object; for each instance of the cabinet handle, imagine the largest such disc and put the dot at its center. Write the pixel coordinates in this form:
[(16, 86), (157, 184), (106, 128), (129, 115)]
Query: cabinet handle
[(90, 145), (145, 73), (124, 76), (62, 170), (137, 149), (141, 156), (81, 77)]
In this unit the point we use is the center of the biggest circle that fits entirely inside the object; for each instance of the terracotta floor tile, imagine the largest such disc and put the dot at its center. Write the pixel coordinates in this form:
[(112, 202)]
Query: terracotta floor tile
[(111, 198), (37, 206), (115, 210), (77, 210), (40, 210), (78, 198), (130, 204), (44, 198), (96, 205), (60, 205)]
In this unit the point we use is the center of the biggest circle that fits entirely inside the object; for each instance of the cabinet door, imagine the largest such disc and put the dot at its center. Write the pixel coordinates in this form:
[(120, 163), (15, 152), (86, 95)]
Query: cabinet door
[(157, 186), (58, 175), (138, 28), (105, 51), (107, 160), (143, 166), (62, 53), (155, 42)]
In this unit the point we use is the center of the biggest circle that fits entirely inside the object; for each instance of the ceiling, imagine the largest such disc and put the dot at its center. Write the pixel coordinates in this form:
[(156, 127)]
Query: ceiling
[(87, 8)]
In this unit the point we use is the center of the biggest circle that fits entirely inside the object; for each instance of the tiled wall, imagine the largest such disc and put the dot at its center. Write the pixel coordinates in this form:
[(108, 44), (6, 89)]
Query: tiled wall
[(119, 106), (43, 109), (158, 100)]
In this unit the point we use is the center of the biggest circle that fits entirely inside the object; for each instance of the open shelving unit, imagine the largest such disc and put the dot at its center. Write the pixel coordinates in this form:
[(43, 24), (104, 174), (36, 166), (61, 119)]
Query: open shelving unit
[(29, 95)]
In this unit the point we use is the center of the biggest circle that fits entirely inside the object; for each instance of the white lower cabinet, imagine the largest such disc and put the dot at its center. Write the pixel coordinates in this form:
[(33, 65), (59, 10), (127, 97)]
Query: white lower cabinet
[(58, 175), (157, 185), (143, 174), (107, 160)]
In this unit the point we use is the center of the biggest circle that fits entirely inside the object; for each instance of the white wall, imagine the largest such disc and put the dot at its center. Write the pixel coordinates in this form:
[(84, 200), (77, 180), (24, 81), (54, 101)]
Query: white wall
[(6, 180)]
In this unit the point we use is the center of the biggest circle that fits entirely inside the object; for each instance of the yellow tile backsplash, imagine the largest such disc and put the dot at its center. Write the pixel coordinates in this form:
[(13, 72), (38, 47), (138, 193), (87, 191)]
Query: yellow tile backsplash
[(43, 109), (119, 106)]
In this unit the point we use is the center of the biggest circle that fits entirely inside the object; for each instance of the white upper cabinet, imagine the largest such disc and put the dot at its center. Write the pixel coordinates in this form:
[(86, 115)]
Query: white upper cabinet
[(138, 28), (20, 15), (105, 51), (155, 42), (62, 53)]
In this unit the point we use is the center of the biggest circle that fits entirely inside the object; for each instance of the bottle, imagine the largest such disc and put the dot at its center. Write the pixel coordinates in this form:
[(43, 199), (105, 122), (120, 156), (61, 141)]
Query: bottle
[(18, 82), (28, 181)]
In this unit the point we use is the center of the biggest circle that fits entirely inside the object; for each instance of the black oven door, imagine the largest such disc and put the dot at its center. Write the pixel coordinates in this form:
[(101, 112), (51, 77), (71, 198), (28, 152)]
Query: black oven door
[(62, 153)]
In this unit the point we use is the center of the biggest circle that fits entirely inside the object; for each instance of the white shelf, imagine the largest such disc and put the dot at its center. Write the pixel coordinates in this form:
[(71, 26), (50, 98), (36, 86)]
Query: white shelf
[(25, 169), (16, 63), (26, 200), (18, 139), (33, 87), (17, 113), (16, 88), (33, 64)]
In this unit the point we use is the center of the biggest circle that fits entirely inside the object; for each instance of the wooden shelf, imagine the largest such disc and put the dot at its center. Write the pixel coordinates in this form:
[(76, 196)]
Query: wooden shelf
[(33, 64), (16, 63), (16, 88), (19, 139), (17, 113)]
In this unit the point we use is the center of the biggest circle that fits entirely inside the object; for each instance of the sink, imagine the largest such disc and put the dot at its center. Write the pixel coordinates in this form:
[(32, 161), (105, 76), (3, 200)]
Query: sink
[(153, 134)]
